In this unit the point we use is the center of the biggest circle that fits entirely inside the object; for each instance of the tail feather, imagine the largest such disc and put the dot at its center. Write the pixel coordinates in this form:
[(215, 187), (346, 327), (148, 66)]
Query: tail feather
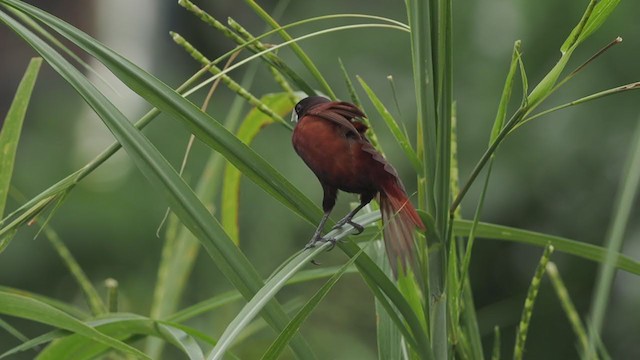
[(400, 220)]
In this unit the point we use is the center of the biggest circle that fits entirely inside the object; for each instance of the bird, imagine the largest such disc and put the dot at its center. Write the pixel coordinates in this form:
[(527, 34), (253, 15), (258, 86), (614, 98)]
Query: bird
[(330, 138)]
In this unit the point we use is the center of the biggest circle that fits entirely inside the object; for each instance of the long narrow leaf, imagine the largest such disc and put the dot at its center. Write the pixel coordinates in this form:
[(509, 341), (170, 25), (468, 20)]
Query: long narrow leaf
[(248, 130), (159, 172), (629, 184), (276, 348), (272, 287), (201, 124), (31, 309), (397, 133), (122, 326), (12, 126), (586, 251), (210, 131)]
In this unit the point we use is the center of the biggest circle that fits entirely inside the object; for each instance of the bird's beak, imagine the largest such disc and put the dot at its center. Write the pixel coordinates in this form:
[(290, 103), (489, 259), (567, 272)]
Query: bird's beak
[(294, 116)]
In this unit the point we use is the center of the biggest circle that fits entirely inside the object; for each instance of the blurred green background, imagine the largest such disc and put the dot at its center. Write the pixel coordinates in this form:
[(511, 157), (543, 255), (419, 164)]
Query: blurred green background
[(557, 175)]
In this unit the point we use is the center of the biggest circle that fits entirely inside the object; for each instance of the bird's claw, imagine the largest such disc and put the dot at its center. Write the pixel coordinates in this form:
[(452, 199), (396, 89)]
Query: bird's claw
[(311, 244), (359, 228)]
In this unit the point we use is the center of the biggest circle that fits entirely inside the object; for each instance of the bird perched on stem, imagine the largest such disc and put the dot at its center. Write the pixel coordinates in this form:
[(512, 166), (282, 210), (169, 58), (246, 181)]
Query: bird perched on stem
[(331, 141)]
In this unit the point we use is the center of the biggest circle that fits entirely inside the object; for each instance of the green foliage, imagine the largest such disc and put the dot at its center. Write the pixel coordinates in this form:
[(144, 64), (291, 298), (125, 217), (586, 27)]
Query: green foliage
[(430, 314)]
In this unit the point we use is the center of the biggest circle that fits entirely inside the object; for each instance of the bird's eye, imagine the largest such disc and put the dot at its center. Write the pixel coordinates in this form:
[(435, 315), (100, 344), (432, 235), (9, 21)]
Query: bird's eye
[(298, 108)]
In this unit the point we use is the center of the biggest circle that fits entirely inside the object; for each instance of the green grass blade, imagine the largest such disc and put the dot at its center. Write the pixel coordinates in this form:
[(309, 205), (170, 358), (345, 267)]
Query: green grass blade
[(62, 306), (529, 302), (353, 95), (501, 116), (572, 39), (397, 133), (91, 294), (34, 343), (601, 12), (253, 46), (194, 214), (280, 343), (389, 336), (598, 95), (262, 297), (38, 203), (586, 251), (422, 62), (228, 81), (159, 172), (124, 326), (12, 127), (495, 353), (594, 16), (32, 309), (249, 129), (567, 306), (181, 248), (13, 332), (202, 125), (304, 58), (232, 296), (628, 190)]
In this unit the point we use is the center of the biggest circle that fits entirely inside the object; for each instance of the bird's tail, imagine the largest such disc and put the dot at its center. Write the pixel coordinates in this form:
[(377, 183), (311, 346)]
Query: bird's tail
[(400, 219)]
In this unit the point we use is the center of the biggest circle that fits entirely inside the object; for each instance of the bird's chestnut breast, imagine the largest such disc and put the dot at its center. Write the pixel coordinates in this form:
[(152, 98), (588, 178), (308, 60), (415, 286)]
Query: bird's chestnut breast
[(331, 154)]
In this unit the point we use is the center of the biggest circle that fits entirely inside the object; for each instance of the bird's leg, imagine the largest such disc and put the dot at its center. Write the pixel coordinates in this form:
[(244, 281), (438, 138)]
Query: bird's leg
[(348, 220), (365, 199), (317, 236), (328, 202)]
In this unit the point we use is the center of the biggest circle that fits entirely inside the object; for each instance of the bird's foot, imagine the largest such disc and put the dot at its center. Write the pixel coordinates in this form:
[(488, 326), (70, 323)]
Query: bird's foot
[(321, 240), (359, 228)]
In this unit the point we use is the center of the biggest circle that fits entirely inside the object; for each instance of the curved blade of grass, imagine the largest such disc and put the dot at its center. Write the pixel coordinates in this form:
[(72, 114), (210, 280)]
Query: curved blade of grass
[(12, 127), (232, 296), (91, 294), (273, 286), (598, 95), (38, 203), (501, 116), (89, 291), (628, 190), (254, 45), (498, 124), (281, 104), (298, 39), (390, 298), (397, 133), (32, 309), (280, 343), (181, 248), (353, 95), (122, 326), (495, 353), (233, 264), (594, 16), (287, 270), (388, 335), (13, 331), (210, 131), (586, 251), (261, 298), (567, 305), (201, 124), (34, 343), (62, 306), (422, 62), (295, 47)]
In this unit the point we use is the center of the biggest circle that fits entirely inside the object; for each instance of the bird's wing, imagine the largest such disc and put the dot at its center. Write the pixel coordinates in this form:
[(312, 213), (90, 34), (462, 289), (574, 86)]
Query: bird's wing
[(376, 156), (340, 113)]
